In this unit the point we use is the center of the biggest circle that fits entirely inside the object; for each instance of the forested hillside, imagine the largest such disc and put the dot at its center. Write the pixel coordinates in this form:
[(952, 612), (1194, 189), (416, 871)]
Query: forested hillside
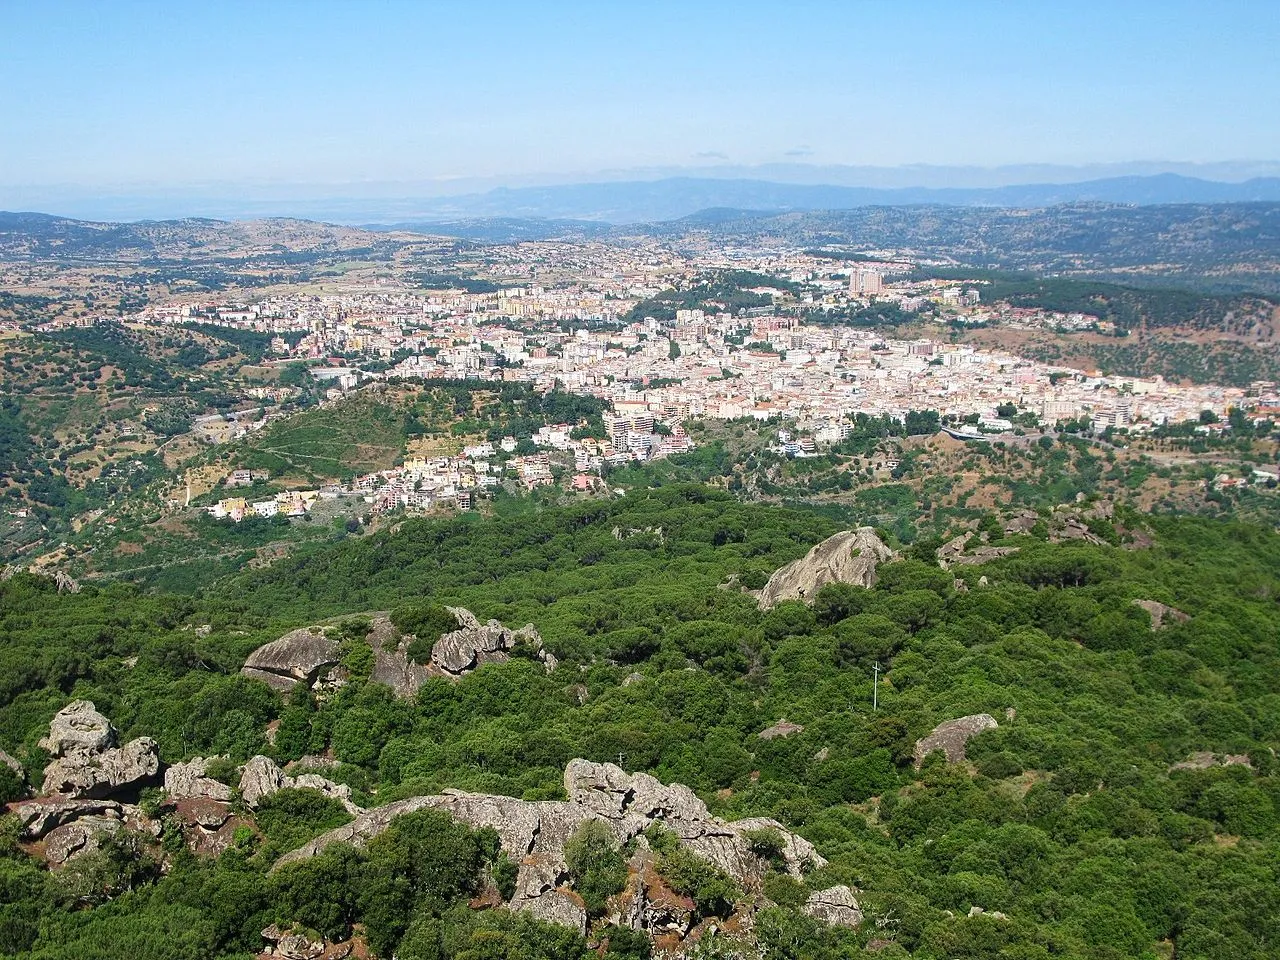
[(1074, 828)]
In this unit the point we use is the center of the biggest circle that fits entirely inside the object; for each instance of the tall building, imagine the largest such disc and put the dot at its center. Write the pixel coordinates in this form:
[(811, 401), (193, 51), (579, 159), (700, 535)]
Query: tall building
[(865, 282)]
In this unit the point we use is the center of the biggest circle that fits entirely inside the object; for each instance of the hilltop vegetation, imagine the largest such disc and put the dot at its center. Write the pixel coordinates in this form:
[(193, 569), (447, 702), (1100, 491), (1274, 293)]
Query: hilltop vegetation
[(361, 435), (1228, 247), (85, 410), (1069, 818), (904, 476)]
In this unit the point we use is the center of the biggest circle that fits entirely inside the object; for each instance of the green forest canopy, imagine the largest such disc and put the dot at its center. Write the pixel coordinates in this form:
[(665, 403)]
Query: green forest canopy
[(1071, 820)]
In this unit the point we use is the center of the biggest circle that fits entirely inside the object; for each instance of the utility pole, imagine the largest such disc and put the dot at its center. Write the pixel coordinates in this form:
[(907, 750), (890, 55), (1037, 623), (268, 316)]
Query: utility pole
[(875, 687)]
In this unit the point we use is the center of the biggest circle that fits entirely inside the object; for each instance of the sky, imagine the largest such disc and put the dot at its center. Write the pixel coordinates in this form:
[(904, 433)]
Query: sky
[(111, 95)]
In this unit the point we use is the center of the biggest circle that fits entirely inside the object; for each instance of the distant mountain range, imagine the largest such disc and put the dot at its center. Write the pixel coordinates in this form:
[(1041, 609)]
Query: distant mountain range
[(649, 201), (1224, 247), (650, 196)]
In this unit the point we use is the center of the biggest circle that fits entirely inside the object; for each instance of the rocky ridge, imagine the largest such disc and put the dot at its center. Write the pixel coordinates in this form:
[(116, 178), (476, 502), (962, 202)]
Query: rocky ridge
[(87, 785), (534, 833), (307, 656)]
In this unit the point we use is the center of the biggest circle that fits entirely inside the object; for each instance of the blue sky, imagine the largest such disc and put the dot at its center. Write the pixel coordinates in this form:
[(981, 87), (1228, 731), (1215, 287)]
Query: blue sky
[(110, 93)]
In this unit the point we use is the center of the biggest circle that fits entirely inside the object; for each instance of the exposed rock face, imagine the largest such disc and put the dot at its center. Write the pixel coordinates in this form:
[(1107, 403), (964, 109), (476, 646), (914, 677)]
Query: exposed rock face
[(474, 643), (297, 657), (65, 583), (86, 763), (206, 812), (1021, 522), (648, 903), (848, 557), (83, 783), (391, 662), (1204, 760), (1160, 613), (471, 645), (555, 906), (79, 837), (534, 833), (295, 946), (307, 656), (79, 728), (952, 736), (39, 817), (783, 728), (953, 553), (186, 781), (261, 777), (835, 905), (209, 826), (100, 775), (70, 827)]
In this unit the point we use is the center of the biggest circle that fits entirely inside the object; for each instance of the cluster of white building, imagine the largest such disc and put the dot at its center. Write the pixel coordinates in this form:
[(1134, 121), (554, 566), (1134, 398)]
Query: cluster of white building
[(289, 503), (556, 321)]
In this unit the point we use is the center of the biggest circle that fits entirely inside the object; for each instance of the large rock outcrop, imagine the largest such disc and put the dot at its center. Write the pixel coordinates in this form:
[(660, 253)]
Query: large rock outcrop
[(86, 764), (104, 774), (38, 817), (295, 945), (848, 557), (952, 736), (1205, 760), (70, 828), (783, 728), (534, 834), (392, 664), (1161, 613), (85, 784), (956, 552), (79, 837), (297, 657)]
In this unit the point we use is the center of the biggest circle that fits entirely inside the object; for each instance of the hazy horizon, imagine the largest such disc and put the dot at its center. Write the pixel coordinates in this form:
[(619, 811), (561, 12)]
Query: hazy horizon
[(136, 98)]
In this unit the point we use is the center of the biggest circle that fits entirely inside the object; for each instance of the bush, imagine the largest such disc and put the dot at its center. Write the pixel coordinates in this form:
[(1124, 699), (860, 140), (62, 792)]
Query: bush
[(596, 864), (505, 871), (11, 786), (999, 766), (291, 817), (784, 890), (767, 844), (425, 621)]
